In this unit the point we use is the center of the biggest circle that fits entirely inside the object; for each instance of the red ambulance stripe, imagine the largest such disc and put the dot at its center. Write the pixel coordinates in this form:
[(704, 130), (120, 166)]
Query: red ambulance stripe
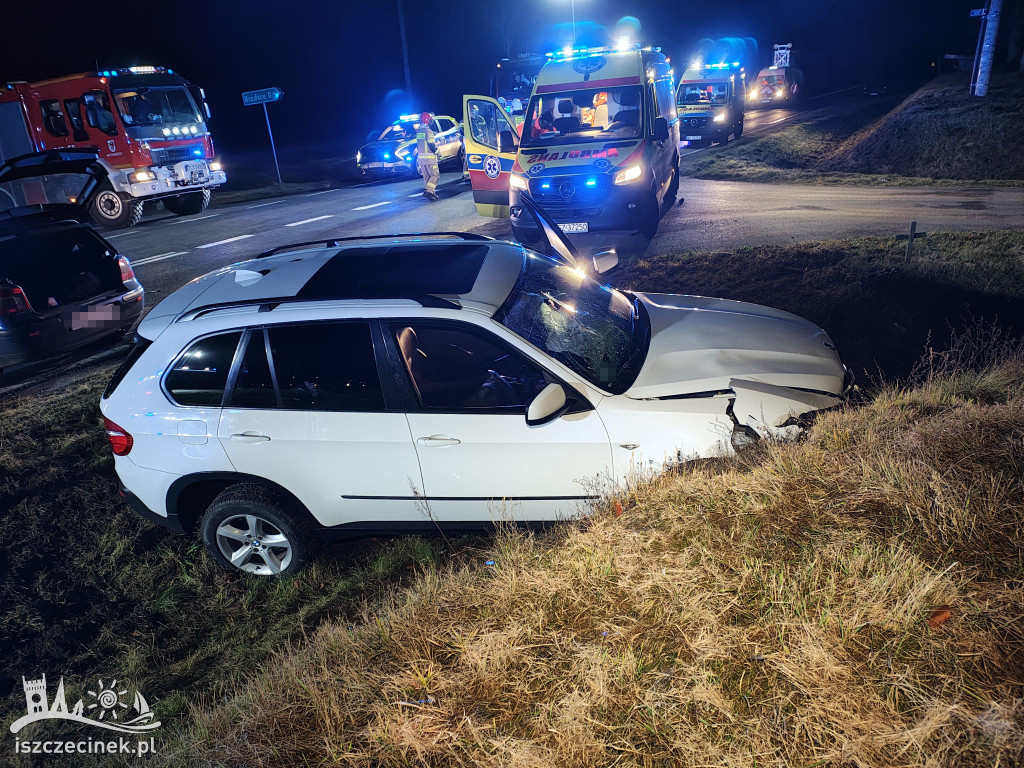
[(612, 82), (481, 180)]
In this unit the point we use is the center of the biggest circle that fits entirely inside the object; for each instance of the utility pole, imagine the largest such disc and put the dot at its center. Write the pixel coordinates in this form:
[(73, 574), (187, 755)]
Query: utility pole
[(986, 48), (405, 53)]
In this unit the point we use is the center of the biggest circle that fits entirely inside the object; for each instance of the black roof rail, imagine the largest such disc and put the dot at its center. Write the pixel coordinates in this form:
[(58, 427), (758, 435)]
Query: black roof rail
[(335, 241), (270, 304)]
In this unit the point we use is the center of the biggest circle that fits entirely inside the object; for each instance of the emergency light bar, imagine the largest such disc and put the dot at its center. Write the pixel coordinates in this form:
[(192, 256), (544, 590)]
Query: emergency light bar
[(722, 65), (569, 52), (134, 71), (408, 118)]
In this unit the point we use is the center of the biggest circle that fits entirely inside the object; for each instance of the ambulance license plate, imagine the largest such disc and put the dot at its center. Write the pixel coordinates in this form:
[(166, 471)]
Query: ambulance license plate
[(580, 226), (694, 138), (373, 165)]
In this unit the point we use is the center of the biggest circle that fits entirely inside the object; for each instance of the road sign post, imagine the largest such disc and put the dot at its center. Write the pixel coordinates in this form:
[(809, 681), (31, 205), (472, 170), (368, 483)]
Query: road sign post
[(265, 96)]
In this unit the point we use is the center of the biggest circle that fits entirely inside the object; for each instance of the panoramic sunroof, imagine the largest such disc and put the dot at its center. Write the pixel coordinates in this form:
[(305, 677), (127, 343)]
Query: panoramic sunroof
[(397, 270)]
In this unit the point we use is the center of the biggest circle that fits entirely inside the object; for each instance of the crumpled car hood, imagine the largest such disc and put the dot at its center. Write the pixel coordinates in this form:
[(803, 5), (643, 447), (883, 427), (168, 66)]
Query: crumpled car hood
[(700, 344)]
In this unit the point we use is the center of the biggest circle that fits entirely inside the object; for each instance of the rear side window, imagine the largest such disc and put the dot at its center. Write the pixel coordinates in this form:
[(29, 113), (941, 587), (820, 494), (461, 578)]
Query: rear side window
[(254, 387), (53, 117), (326, 367), (134, 354), (201, 373)]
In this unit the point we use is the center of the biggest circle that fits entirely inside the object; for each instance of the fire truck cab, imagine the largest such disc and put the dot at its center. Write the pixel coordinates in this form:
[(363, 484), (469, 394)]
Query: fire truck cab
[(147, 123)]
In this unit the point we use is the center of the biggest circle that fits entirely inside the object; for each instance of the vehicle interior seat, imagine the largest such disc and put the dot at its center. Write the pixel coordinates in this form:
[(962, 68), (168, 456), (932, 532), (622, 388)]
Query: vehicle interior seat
[(568, 122), (631, 114)]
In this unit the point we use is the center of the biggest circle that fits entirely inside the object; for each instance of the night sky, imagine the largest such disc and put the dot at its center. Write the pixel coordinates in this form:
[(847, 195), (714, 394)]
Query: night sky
[(336, 61)]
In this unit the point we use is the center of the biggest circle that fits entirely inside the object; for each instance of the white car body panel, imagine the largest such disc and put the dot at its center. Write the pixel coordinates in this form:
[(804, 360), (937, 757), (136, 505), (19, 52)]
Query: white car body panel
[(344, 467)]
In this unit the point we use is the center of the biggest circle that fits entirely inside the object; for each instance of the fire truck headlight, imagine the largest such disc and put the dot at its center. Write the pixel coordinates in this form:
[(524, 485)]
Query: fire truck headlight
[(167, 131), (192, 129), (778, 93), (719, 118), (176, 130), (628, 175), (215, 166), (518, 182), (140, 176)]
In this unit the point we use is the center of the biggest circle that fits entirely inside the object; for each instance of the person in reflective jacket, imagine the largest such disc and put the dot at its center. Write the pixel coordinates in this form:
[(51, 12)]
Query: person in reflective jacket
[(426, 161)]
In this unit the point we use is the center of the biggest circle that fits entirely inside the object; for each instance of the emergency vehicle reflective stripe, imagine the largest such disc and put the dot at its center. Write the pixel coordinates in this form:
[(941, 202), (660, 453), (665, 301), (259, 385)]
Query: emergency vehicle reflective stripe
[(423, 143)]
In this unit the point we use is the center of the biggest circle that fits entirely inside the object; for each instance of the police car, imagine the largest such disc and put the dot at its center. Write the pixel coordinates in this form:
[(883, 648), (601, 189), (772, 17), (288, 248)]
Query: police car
[(393, 152)]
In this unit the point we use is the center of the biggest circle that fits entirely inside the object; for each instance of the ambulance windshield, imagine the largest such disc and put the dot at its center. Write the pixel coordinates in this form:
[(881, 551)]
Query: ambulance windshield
[(703, 93), (147, 106), (572, 116)]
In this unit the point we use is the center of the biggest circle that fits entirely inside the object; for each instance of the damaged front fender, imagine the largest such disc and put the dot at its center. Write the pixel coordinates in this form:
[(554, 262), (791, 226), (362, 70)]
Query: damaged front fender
[(769, 410)]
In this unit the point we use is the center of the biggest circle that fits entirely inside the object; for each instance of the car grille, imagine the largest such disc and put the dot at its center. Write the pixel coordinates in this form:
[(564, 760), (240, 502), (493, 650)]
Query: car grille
[(571, 191), (376, 155), (172, 155), (693, 122)]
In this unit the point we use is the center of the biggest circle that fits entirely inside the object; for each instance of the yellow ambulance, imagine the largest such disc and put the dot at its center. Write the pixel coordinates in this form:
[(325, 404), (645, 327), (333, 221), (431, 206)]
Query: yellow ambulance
[(598, 148)]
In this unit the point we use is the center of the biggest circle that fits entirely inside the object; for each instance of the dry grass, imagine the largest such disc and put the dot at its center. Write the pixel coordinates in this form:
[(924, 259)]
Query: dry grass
[(765, 610)]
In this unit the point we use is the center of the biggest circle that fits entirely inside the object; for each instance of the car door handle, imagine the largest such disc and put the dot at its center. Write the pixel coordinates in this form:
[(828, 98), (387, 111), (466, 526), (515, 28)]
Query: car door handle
[(249, 437), (437, 441)]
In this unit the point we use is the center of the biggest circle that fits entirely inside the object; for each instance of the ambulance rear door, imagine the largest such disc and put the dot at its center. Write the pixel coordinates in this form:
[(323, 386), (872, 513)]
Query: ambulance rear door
[(487, 127)]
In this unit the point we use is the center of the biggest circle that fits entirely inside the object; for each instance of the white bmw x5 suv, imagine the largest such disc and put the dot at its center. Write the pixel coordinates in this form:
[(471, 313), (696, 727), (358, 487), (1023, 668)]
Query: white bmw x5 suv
[(369, 386)]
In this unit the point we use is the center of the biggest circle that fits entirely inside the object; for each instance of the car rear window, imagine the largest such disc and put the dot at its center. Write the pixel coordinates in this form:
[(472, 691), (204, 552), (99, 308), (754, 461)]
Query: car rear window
[(201, 372), (139, 346)]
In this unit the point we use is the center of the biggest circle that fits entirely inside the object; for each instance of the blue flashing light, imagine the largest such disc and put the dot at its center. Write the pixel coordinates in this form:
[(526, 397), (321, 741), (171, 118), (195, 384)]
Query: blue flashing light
[(197, 152), (387, 155), (546, 185), (170, 71), (735, 63), (591, 182)]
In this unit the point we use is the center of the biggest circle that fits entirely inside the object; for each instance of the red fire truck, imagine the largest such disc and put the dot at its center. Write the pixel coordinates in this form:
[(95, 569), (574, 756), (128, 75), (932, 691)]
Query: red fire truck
[(148, 123)]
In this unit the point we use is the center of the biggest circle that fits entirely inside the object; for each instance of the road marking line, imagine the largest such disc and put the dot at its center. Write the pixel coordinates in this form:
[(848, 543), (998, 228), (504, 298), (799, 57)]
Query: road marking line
[(187, 221), (322, 192), (416, 194), (160, 257), (275, 202), (120, 234), (222, 242), (308, 221), (371, 205)]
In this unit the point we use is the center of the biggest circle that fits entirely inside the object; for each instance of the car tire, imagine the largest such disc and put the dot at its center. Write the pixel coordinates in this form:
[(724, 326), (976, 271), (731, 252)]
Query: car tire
[(248, 528), (739, 130), (673, 189), (188, 204), (113, 209), (650, 216)]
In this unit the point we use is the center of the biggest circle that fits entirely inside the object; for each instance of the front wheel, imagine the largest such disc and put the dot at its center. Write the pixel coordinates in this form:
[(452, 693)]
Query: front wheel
[(189, 203), (739, 129), (114, 210), (673, 188), (650, 217), (248, 528)]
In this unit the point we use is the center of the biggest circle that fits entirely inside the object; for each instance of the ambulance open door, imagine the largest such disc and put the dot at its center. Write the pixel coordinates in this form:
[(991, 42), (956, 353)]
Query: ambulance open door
[(488, 130)]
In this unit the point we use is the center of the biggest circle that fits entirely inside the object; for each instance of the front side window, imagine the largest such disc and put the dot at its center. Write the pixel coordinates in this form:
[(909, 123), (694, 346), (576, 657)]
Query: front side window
[(148, 106), (456, 368), (201, 373), (399, 132), (483, 123), (590, 328), (73, 108), (665, 98), (584, 115), (97, 112), (326, 367)]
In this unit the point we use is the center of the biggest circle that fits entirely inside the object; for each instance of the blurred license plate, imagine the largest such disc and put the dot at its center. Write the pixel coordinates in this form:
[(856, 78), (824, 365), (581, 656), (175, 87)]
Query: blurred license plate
[(373, 165), (693, 138), (101, 316), (581, 226)]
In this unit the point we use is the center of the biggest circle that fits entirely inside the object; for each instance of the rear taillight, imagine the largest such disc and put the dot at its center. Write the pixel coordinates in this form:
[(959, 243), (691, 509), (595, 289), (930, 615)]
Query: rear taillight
[(120, 441), (13, 300), (127, 273)]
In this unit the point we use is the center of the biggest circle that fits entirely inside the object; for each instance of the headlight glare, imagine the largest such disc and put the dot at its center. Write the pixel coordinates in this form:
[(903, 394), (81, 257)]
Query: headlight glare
[(719, 118), (518, 182), (628, 175), (359, 157)]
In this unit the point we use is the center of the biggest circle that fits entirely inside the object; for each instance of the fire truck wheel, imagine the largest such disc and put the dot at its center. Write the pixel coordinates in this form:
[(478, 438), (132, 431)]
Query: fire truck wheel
[(114, 210), (188, 204)]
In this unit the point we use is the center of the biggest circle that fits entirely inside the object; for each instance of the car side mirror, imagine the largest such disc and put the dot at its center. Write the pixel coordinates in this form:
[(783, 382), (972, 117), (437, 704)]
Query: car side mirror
[(660, 129), (506, 142), (605, 260), (549, 404)]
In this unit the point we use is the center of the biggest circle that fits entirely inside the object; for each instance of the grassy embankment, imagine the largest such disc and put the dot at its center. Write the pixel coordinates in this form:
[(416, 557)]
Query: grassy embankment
[(786, 624), (938, 135)]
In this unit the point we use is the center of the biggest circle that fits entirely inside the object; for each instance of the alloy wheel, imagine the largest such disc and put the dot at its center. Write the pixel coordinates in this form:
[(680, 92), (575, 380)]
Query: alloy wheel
[(254, 545)]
